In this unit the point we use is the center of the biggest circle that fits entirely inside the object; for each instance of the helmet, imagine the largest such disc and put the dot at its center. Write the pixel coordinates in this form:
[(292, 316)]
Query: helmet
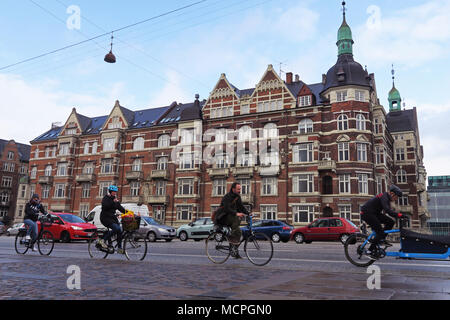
[(396, 190), (35, 196), (113, 188)]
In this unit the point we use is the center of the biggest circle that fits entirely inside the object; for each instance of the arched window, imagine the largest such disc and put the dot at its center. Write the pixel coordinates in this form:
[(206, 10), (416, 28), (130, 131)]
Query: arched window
[(162, 163), (138, 143), (137, 165), (360, 122), (48, 171), (306, 126), (86, 148), (94, 147), (33, 173), (245, 133), (342, 122), (164, 141), (270, 130), (401, 176)]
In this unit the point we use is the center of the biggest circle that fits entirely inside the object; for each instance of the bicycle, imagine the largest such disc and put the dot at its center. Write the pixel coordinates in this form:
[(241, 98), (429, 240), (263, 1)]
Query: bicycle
[(413, 245), (45, 240), (258, 247), (134, 245)]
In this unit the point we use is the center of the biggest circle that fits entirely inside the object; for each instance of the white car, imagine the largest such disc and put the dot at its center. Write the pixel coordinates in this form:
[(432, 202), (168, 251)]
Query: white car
[(15, 229)]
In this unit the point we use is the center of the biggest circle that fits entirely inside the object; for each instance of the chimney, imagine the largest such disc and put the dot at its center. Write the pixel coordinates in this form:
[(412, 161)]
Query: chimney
[(289, 77), (297, 78), (324, 78)]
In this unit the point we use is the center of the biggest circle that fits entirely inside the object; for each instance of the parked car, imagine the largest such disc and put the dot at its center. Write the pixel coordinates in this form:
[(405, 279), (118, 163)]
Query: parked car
[(14, 229), (153, 230), (275, 229), (67, 227), (197, 230), (325, 229)]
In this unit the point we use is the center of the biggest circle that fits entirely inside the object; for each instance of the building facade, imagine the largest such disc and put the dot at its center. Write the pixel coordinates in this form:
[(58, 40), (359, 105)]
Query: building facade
[(439, 204), (14, 161), (300, 151)]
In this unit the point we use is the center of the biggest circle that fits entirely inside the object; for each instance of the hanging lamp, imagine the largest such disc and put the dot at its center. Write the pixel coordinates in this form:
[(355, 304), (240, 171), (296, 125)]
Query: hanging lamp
[(110, 57)]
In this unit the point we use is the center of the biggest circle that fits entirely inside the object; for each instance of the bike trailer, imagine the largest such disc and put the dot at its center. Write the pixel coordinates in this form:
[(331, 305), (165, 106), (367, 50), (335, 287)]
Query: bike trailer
[(413, 242)]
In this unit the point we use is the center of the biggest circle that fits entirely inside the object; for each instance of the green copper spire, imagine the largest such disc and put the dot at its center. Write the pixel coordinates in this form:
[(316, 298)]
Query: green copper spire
[(395, 101), (345, 40)]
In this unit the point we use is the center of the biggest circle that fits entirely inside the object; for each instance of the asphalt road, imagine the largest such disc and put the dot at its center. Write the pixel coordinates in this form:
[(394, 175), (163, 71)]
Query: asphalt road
[(181, 270)]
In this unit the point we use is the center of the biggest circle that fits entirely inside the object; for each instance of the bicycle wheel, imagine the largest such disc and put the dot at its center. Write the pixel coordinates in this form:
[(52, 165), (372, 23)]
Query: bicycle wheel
[(135, 248), (46, 243), (355, 250), (259, 249), (217, 247), (94, 248), (19, 245)]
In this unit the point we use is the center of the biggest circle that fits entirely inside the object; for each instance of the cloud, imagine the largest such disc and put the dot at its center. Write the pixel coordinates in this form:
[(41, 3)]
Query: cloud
[(172, 91)]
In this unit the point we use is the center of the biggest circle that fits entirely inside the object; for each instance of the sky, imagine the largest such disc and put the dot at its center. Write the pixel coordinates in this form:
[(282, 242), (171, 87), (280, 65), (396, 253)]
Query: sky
[(177, 55)]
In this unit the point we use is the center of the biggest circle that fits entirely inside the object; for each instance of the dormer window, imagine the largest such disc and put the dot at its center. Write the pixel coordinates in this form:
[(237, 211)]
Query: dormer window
[(304, 101), (71, 131)]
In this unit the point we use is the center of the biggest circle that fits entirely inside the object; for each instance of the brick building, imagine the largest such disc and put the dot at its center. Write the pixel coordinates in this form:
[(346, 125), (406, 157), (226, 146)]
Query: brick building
[(299, 150), (14, 158)]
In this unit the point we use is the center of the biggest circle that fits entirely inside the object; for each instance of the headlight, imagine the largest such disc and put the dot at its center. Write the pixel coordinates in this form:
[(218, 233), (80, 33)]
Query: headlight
[(162, 230), (76, 228)]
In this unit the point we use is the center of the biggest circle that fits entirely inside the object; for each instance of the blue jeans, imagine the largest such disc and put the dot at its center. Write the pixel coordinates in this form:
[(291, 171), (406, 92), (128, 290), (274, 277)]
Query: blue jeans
[(32, 230), (116, 229)]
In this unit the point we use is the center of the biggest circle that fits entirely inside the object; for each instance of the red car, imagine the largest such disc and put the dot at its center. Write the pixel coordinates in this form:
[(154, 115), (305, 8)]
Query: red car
[(325, 229), (67, 227)]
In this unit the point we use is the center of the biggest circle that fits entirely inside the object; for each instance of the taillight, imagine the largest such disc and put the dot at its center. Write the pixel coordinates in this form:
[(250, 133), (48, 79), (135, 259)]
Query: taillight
[(286, 228)]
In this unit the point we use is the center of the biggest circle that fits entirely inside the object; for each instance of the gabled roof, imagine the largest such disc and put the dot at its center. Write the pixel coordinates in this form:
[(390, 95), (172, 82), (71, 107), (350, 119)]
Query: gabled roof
[(183, 112), (23, 149)]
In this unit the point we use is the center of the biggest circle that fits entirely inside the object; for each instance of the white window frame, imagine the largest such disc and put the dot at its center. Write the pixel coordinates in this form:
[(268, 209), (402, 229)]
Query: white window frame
[(269, 186), (186, 183), (401, 176), (138, 144), (360, 122), (305, 101), (301, 149), (164, 141), (305, 126), (344, 151), (219, 187), (162, 163), (307, 179), (361, 150), (345, 184), (109, 144), (303, 210), (342, 121), (137, 165), (341, 96), (184, 212), (363, 183), (135, 187), (360, 96), (345, 211), (269, 212)]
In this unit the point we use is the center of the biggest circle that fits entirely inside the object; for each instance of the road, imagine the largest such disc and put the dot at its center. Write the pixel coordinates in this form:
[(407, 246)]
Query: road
[(181, 270)]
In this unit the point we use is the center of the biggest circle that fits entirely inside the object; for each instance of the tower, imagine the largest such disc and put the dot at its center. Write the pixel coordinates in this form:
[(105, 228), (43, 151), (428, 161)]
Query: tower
[(395, 101)]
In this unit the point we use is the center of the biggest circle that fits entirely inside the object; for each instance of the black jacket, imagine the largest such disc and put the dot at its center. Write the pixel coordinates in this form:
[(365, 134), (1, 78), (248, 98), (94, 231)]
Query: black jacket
[(379, 203), (32, 211), (108, 213), (232, 204)]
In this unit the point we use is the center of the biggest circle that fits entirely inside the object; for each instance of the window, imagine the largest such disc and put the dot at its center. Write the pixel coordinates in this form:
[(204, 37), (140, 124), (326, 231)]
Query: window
[(221, 160), (107, 166), (60, 190), (306, 126), (379, 185), (270, 105), (361, 149), (363, 183), (187, 160), (245, 159), (86, 148), (48, 171), (62, 169), (7, 182), (401, 176), (403, 201), (304, 101), (341, 96), (71, 131), (103, 188), (109, 144), (115, 123), (94, 147), (245, 109), (137, 165), (134, 188), (164, 141), (10, 155), (270, 131), (303, 214), (45, 191), (344, 153), (3, 212), (344, 183), (138, 143), (64, 149), (376, 127), (84, 210), (378, 155), (20, 212), (400, 154), (219, 187), (23, 191), (245, 185), (268, 212), (159, 213), (186, 186), (33, 173), (161, 187), (360, 122), (220, 136), (270, 158), (88, 168), (359, 96), (4, 197), (187, 136), (303, 152), (303, 183), (269, 186), (345, 212), (245, 133), (162, 163), (184, 213), (8, 167), (23, 169), (36, 153), (86, 190), (342, 121)]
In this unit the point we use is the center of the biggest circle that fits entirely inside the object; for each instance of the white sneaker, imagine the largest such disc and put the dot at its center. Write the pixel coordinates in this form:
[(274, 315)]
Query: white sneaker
[(27, 238), (34, 248)]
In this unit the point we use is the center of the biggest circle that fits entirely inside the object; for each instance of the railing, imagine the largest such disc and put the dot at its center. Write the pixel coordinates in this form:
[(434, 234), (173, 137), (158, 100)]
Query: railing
[(159, 174), (154, 199), (134, 175), (85, 177), (327, 165), (218, 172), (45, 180)]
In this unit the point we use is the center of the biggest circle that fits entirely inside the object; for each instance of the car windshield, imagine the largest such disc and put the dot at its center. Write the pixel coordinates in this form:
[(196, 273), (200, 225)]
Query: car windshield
[(71, 218), (150, 220), (351, 223)]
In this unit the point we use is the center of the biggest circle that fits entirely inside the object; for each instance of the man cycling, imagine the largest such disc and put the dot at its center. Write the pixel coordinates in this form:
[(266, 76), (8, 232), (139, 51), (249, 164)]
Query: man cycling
[(32, 209), (233, 209), (109, 219), (371, 214)]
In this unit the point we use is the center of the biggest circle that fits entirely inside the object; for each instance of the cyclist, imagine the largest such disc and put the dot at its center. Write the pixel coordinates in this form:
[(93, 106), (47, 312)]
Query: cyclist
[(109, 219), (32, 209), (371, 214), (233, 210)]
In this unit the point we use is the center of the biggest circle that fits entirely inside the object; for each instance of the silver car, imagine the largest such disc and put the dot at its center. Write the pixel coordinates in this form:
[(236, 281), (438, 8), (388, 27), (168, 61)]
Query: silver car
[(14, 229), (151, 229)]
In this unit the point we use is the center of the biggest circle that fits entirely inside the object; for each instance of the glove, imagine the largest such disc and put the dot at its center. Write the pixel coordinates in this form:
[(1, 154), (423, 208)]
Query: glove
[(399, 215)]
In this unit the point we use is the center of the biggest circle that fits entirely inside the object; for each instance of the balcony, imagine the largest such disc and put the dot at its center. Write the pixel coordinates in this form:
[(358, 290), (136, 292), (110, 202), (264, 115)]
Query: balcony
[(327, 165), (134, 175), (155, 199), (248, 199), (219, 172), (243, 171), (45, 180), (271, 170), (133, 199), (85, 178), (159, 174)]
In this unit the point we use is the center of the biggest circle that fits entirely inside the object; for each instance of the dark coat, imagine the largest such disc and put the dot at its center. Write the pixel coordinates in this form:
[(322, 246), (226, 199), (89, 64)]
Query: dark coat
[(108, 213), (232, 204), (379, 203), (32, 211)]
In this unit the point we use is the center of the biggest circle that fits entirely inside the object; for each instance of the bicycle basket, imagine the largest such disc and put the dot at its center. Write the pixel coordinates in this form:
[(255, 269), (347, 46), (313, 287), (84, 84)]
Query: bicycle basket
[(131, 223), (46, 221)]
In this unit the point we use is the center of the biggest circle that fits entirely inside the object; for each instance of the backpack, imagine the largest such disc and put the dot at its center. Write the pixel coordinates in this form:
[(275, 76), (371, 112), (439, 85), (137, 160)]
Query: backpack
[(219, 213)]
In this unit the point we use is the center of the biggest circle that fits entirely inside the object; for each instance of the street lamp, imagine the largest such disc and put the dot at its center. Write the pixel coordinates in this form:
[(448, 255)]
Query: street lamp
[(110, 57)]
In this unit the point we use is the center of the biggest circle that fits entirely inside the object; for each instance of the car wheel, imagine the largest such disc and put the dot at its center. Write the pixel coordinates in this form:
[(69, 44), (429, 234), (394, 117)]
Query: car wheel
[(183, 236), (299, 238), (65, 237), (344, 238), (151, 236), (276, 238)]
